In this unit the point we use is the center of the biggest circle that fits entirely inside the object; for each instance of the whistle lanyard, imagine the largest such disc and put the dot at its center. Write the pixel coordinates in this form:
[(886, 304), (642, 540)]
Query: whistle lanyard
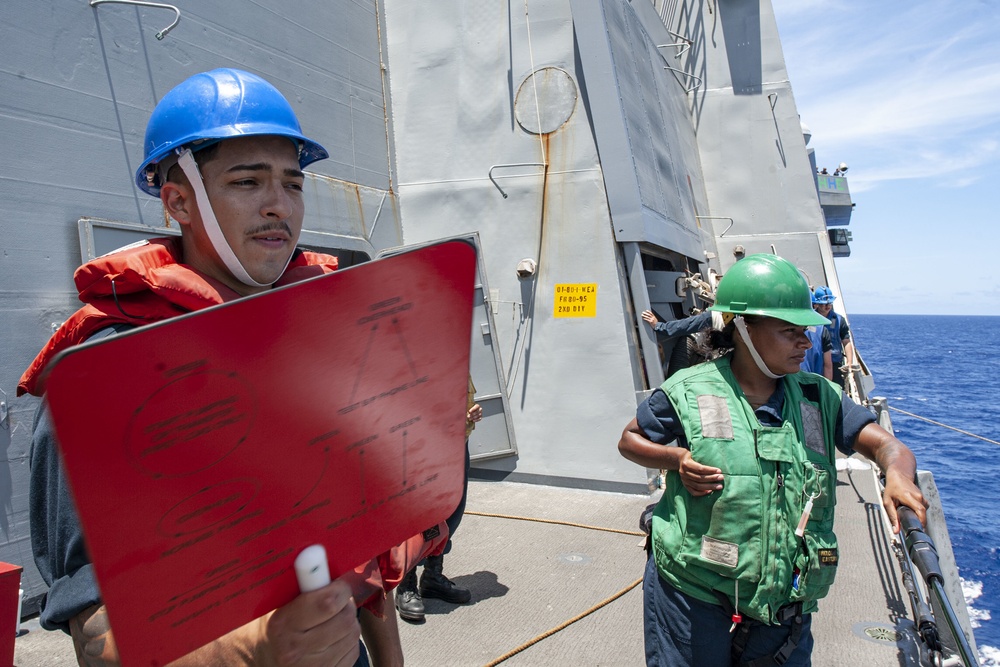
[(800, 530)]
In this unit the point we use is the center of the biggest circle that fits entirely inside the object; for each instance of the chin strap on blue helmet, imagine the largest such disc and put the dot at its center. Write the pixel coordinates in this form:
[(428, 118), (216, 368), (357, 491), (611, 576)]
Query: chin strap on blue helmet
[(212, 229)]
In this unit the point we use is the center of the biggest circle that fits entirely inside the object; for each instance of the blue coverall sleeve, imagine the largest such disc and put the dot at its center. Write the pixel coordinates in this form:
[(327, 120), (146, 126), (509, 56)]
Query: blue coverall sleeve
[(854, 418), (56, 536), (683, 327), (657, 417)]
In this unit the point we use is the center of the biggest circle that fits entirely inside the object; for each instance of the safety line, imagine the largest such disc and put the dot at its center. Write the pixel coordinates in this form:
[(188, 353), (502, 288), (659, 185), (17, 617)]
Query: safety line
[(534, 83), (565, 624), (931, 421), (558, 523)]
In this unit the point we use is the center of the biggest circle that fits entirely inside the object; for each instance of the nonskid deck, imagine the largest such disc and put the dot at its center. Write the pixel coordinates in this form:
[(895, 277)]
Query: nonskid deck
[(528, 577)]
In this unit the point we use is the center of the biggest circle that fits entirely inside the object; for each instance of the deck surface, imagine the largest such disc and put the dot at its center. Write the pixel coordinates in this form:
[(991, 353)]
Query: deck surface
[(528, 577)]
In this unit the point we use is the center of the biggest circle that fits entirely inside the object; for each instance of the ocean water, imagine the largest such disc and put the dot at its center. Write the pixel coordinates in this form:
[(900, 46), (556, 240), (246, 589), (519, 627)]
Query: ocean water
[(947, 368)]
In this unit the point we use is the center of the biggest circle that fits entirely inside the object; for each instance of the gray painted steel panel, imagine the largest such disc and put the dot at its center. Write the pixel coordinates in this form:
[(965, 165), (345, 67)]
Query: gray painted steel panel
[(644, 133), (662, 286), (747, 118), (455, 70)]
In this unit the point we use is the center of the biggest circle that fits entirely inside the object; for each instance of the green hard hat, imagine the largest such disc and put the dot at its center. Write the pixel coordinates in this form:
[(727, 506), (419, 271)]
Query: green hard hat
[(770, 286)]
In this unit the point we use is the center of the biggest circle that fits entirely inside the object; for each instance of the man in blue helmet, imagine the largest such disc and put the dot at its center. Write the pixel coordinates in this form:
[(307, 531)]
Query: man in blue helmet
[(819, 357), (224, 153), (842, 349)]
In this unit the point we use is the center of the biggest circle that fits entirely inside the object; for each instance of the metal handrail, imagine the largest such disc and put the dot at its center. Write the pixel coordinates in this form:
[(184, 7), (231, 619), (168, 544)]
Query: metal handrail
[(685, 42), (923, 554), (505, 166)]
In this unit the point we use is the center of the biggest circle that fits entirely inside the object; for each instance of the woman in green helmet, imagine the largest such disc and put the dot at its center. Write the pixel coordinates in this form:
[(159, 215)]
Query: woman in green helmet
[(742, 542)]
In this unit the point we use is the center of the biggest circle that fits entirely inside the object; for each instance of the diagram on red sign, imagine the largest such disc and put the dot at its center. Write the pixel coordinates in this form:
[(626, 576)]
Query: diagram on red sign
[(330, 412)]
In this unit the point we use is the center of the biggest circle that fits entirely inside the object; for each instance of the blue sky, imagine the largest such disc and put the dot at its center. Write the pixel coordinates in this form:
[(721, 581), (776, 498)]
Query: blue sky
[(908, 95)]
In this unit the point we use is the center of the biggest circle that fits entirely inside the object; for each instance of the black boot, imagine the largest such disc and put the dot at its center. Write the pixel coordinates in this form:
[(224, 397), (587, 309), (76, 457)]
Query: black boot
[(408, 602), (433, 583)]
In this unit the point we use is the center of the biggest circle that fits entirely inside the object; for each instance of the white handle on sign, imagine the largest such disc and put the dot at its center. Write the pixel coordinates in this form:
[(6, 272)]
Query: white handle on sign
[(311, 568)]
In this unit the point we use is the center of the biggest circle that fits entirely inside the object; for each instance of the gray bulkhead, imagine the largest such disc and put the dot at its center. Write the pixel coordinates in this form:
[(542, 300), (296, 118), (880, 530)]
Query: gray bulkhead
[(79, 83), (549, 128)]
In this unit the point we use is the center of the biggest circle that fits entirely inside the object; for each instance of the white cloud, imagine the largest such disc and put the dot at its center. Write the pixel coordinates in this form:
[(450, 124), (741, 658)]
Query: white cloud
[(905, 93), (928, 107), (908, 94), (932, 163)]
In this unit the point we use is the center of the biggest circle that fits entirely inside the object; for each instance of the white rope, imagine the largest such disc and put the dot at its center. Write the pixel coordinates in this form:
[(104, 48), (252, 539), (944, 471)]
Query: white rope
[(534, 84), (931, 421), (212, 228)]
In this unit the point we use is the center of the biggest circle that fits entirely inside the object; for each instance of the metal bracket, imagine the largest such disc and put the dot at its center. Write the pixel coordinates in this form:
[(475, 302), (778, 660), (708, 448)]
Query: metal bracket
[(141, 3), (515, 164), (689, 76), (717, 217), (684, 45), (772, 98)]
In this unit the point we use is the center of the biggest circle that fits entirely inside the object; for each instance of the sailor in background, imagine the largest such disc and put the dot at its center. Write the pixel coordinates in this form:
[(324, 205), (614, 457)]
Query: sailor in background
[(693, 332), (819, 356), (742, 538), (842, 349), (433, 582)]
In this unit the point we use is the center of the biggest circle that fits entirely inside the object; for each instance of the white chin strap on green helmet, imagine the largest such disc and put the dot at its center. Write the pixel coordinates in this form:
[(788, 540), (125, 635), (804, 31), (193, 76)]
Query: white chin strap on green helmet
[(741, 326), (212, 228)]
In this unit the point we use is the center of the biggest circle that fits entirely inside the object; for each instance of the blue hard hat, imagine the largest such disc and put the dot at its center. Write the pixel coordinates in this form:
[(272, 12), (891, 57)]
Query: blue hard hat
[(216, 105), (822, 294)]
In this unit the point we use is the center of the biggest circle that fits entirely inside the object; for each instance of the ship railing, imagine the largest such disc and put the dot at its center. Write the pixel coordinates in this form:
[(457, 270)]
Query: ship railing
[(917, 555), (929, 600)]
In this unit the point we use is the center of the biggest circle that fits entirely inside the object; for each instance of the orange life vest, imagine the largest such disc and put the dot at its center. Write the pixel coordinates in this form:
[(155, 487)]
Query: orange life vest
[(145, 283)]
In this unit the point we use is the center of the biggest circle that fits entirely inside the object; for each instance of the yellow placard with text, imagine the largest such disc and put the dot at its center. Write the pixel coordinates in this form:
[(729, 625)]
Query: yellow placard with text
[(575, 300)]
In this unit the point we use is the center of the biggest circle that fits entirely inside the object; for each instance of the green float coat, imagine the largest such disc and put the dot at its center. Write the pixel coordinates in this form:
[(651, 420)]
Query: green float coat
[(746, 531)]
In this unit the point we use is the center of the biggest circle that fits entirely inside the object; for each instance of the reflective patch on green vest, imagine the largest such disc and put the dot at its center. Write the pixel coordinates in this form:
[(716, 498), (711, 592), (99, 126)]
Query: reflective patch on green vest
[(812, 427), (828, 557), (716, 421), (717, 551)]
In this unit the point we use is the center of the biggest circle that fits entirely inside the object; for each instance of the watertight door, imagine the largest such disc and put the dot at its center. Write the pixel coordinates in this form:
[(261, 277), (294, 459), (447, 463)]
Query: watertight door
[(494, 435)]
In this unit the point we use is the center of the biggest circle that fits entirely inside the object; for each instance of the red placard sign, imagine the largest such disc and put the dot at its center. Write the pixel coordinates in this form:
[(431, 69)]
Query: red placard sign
[(206, 452)]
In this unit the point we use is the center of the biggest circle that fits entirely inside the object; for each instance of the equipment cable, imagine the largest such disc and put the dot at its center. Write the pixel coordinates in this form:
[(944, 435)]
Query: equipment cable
[(564, 624), (558, 523), (936, 423)]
